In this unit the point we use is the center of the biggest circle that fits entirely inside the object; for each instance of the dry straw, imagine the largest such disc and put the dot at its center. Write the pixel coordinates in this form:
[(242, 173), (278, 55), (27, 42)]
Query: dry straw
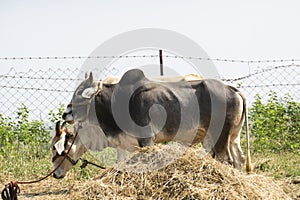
[(189, 176), (163, 172)]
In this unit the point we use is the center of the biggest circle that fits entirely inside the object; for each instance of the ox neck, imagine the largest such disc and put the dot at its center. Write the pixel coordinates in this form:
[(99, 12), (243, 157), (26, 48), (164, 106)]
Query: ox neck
[(91, 113)]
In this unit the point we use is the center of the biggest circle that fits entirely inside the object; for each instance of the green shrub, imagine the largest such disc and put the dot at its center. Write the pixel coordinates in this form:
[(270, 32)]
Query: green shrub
[(275, 125), (54, 116), (22, 133), (25, 147)]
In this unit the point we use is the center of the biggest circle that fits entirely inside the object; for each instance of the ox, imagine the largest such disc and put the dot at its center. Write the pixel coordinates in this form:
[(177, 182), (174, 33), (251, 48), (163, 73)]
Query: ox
[(91, 105), (90, 135)]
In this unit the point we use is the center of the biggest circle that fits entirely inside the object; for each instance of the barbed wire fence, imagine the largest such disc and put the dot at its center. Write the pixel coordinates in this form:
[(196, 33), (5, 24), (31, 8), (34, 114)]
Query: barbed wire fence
[(45, 90)]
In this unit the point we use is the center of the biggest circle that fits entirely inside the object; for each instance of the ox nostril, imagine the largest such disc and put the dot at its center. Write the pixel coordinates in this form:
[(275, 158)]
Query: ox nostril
[(57, 177)]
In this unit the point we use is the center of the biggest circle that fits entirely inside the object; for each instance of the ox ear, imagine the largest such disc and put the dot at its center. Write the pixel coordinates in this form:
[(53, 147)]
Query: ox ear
[(57, 129), (89, 92), (91, 78), (60, 144)]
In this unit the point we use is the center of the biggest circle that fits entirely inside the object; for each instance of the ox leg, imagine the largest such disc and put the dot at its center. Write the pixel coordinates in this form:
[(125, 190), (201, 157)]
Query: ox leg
[(221, 147), (208, 145), (236, 151), (218, 149), (222, 155), (145, 142), (121, 154), (235, 131)]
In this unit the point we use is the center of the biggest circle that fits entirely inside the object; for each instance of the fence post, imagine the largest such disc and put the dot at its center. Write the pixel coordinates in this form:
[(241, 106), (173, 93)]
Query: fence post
[(161, 63)]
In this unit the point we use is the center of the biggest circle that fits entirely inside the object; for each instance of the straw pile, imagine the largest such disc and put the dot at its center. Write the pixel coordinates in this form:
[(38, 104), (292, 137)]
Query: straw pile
[(189, 176)]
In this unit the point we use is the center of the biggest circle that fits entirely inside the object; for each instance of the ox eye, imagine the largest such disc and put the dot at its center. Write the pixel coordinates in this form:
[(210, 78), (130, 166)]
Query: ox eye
[(53, 148)]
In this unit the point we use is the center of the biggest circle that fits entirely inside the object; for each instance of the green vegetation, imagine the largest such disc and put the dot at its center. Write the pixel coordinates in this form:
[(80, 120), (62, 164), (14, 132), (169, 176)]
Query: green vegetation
[(23, 144), (275, 125), (25, 148), (21, 134), (275, 135)]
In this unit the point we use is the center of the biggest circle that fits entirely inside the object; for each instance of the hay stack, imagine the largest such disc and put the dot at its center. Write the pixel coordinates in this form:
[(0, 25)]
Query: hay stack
[(189, 176)]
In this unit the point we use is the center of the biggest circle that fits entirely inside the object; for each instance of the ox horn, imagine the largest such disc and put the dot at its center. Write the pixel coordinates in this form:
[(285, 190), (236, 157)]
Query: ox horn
[(57, 128)]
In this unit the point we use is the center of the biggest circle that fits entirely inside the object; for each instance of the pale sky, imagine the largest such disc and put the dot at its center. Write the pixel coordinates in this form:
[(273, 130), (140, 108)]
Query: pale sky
[(224, 29)]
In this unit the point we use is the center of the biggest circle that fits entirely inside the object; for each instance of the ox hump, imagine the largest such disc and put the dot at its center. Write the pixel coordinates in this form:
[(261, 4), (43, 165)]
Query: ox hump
[(132, 76)]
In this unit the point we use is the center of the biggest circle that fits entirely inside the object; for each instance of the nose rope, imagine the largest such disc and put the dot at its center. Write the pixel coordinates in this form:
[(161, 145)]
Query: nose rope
[(67, 156), (11, 190), (86, 162)]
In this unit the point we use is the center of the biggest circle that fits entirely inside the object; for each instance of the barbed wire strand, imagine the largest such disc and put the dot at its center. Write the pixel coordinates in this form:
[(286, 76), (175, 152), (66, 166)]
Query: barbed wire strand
[(37, 89), (261, 72), (147, 56), (75, 57), (24, 75), (71, 91)]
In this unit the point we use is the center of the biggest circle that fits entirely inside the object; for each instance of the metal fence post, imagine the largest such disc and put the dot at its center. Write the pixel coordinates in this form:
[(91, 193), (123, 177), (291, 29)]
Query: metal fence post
[(161, 63)]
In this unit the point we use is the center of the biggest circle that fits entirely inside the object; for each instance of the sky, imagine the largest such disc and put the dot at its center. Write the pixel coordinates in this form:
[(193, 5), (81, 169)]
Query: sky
[(232, 29)]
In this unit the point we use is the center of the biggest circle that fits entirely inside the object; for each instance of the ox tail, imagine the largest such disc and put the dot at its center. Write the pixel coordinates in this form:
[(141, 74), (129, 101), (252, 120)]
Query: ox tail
[(245, 113)]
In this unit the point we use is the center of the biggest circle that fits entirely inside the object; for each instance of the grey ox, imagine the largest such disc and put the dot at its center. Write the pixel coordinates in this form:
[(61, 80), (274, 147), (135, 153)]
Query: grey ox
[(137, 111)]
